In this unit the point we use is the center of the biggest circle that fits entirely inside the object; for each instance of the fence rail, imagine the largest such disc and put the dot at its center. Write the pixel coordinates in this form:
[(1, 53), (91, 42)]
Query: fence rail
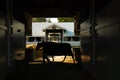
[(73, 40)]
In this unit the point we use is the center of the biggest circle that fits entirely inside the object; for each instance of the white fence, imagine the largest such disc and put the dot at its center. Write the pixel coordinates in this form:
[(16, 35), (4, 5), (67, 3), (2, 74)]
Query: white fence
[(74, 41)]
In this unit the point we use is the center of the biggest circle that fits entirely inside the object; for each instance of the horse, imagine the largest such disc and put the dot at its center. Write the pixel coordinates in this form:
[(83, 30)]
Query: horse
[(55, 49)]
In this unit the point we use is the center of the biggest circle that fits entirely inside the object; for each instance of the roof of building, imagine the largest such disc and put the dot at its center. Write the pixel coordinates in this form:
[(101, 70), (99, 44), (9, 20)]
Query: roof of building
[(54, 26), (38, 27)]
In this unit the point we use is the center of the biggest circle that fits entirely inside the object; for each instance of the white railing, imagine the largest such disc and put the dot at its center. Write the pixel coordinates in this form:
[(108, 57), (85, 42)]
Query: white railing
[(74, 41)]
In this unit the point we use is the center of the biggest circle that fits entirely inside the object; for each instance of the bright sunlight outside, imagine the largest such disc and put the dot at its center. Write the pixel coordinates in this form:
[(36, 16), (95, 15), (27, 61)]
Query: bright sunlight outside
[(54, 19)]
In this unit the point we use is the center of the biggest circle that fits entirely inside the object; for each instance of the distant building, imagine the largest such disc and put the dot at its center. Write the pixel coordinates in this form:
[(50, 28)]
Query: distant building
[(62, 32), (37, 28)]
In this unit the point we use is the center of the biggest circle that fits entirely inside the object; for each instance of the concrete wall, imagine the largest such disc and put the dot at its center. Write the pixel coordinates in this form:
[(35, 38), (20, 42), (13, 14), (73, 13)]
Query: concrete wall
[(17, 45), (107, 66), (3, 52), (18, 42)]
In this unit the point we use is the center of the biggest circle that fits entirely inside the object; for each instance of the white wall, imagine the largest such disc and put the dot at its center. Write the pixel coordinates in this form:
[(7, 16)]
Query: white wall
[(38, 27)]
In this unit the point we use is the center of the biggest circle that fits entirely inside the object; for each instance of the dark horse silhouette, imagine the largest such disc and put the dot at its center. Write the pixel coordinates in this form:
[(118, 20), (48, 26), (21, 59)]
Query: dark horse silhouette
[(55, 49)]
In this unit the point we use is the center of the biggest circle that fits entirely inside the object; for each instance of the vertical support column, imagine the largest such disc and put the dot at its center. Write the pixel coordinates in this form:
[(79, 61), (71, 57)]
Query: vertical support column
[(28, 24), (93, 31), (11, 12), (61, 36), (77, 25), (46, 35), (8, 32), (77, 33)]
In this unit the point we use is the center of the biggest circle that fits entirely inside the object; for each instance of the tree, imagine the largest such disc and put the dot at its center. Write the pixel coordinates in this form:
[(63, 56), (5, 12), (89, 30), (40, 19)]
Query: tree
[(37, 19), (48, 20), (63, 19)]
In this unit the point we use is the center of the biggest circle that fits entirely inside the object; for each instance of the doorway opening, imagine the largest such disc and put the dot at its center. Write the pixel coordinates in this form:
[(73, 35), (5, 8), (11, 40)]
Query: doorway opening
[(58, 30)]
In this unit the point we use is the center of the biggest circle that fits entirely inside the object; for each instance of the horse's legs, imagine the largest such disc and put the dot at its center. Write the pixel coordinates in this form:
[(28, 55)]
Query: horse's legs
[(45, 57), (53, 58), (73, 58), (64, 58)]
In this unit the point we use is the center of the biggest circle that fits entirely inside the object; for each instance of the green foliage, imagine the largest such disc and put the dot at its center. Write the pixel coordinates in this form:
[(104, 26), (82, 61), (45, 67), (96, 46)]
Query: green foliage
[(65, 19), (62, 19), (48, 20), (39, 19)]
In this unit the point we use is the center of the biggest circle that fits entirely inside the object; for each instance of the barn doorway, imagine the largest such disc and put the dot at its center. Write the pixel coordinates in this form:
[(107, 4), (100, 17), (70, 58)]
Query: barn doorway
[(48, 31)]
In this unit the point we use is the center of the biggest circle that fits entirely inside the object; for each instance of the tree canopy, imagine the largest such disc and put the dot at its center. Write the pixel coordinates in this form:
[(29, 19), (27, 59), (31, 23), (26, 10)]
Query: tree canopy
[(37, 19), (61, 19), (64, 19)]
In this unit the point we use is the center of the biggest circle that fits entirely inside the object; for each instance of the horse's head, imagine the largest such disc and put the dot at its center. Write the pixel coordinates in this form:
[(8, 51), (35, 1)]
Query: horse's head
[(39, 46)]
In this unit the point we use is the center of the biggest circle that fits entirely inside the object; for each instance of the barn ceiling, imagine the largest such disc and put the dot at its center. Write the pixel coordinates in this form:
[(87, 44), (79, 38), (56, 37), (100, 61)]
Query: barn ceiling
[(51, 8)]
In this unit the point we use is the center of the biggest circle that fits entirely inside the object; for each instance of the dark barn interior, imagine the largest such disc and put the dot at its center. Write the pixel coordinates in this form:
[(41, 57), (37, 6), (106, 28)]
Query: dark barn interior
[(97, 22)]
